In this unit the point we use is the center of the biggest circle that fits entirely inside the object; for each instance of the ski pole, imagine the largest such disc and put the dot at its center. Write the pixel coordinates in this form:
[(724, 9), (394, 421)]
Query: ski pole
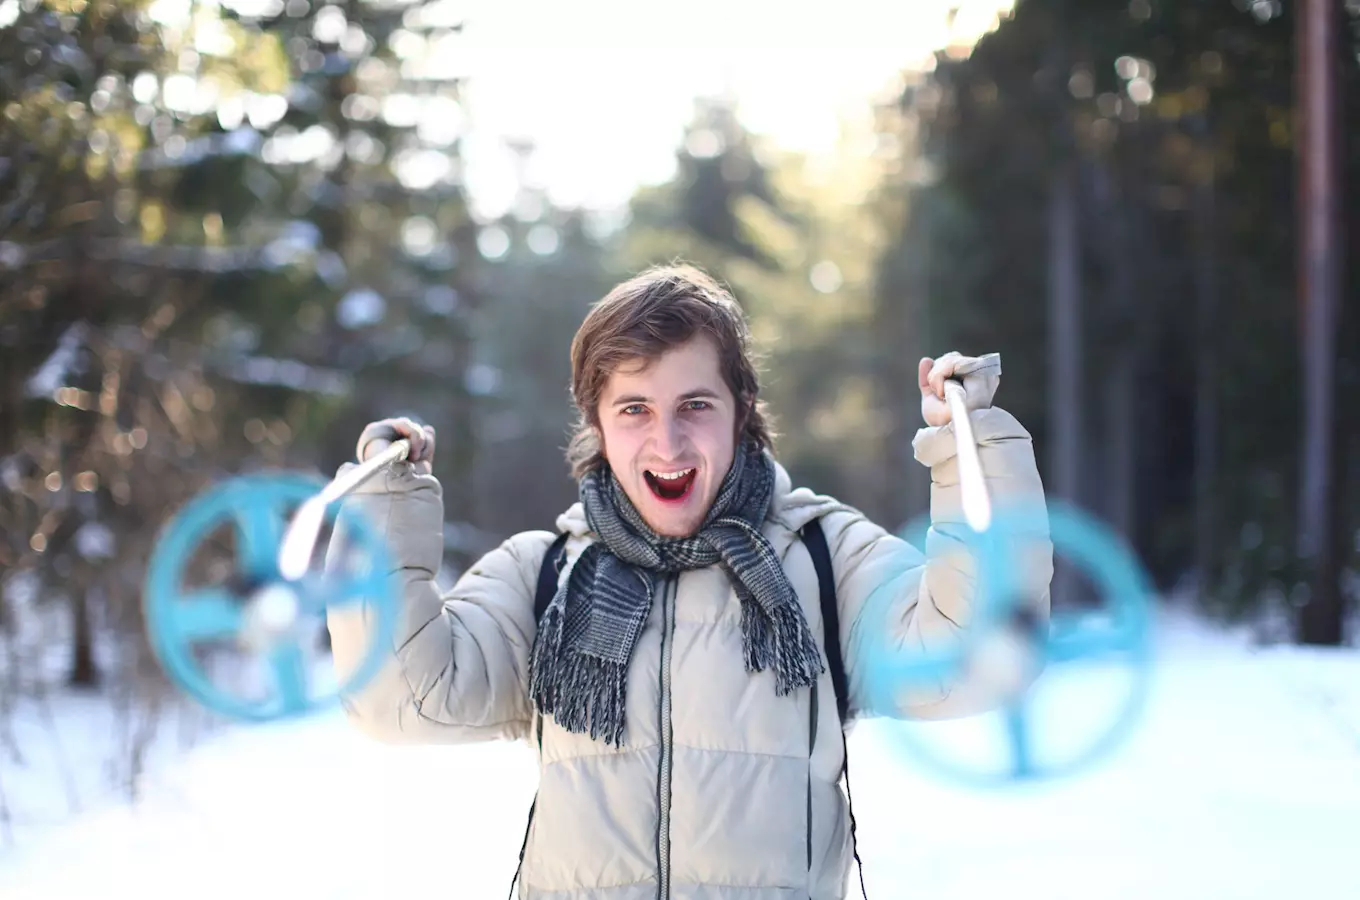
[(977, 506), (299, 541)]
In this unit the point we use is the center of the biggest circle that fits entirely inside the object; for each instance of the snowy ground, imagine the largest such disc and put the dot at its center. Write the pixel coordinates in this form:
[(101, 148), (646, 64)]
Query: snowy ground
[(1242, 782)]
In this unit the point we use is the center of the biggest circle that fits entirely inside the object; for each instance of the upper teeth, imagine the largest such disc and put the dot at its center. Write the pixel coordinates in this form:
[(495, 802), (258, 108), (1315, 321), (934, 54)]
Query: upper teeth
[(672, 476)]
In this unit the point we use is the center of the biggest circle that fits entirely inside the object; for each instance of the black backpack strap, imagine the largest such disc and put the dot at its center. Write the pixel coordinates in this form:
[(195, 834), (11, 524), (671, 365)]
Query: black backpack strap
[(547, 574), (850, 803), (815, 541), (543, 594)]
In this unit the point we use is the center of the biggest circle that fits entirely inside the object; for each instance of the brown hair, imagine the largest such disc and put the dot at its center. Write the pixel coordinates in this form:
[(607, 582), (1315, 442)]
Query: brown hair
[(650, 313)]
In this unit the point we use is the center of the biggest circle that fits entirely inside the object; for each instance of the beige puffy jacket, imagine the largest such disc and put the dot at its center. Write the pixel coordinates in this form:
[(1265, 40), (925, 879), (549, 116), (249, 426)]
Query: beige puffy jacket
[(722, 790)]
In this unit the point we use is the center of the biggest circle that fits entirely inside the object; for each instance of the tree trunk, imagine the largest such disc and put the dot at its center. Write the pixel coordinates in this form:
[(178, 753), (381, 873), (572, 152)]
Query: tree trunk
[(84, 673), (1065, 363), (1321, 617), (1120, 397), (1206, 372), (905, 324)]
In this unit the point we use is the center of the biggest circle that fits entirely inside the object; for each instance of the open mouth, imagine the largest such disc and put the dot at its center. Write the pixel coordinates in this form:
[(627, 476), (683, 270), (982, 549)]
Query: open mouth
[(671, 487)]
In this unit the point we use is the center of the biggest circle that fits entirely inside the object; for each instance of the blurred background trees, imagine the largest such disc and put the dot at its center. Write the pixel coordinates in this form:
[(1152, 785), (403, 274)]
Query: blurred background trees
[(230, 234), (1121, 177)]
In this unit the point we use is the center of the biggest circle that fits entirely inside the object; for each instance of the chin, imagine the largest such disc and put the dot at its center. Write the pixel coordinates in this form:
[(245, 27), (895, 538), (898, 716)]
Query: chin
[(673, 523), (672, 528)]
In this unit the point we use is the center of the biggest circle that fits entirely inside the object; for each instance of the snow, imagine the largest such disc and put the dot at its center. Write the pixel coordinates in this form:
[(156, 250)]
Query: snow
[(1241, 782)]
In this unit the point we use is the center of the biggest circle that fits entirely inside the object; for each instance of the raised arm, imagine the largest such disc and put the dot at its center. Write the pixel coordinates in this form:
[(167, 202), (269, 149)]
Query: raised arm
[(926, 598), (456, 671)]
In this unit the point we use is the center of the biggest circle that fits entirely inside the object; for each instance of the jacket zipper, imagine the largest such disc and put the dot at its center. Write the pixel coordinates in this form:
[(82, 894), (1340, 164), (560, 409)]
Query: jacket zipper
[(812, 745), (663, 831)]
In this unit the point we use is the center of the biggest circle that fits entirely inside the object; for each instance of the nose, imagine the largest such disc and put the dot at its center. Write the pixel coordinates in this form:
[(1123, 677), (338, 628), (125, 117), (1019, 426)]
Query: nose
[(669, 438)]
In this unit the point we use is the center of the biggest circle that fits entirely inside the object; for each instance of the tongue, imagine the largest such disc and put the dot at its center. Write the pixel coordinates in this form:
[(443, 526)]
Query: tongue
[(673, 489)]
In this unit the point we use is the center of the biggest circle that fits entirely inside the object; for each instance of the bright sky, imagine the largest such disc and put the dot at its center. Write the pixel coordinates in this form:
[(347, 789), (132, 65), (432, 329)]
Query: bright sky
[(605, 87)]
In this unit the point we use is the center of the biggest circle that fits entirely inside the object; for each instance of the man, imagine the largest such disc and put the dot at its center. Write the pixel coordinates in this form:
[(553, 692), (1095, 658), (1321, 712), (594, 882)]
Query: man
[(676, 688)]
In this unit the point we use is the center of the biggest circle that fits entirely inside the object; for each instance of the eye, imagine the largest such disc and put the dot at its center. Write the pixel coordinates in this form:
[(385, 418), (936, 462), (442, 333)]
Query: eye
[(698, 405), (634, 409)]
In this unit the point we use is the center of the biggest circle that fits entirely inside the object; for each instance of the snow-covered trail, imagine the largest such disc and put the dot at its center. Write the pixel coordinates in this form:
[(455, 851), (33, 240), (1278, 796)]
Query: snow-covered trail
[(1242, 783)]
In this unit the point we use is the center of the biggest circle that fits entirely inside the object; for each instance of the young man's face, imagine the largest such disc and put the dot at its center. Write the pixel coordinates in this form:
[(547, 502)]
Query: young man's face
[(668, 430)]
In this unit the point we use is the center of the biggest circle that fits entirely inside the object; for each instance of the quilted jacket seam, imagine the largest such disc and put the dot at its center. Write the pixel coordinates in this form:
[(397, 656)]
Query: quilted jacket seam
[(734, 752)]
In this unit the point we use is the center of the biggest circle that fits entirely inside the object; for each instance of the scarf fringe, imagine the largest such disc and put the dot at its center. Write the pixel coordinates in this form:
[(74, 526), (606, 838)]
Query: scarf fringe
[(780, 640), (583, 693)]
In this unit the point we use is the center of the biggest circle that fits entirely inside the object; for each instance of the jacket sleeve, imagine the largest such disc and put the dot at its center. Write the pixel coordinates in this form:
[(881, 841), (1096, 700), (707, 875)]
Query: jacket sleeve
[(456, 671), (896, 597)]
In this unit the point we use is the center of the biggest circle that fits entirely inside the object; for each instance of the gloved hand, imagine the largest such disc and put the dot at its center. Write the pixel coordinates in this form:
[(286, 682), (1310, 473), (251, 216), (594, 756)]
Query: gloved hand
[(378, 436), (980, 376)]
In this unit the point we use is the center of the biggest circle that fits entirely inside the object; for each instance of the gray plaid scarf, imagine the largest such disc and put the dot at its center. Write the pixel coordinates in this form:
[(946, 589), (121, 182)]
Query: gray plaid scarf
[(579, 664)]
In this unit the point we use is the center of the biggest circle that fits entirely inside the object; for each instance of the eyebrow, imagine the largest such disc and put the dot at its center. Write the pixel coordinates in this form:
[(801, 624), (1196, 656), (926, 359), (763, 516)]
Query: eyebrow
[(696, 394)]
